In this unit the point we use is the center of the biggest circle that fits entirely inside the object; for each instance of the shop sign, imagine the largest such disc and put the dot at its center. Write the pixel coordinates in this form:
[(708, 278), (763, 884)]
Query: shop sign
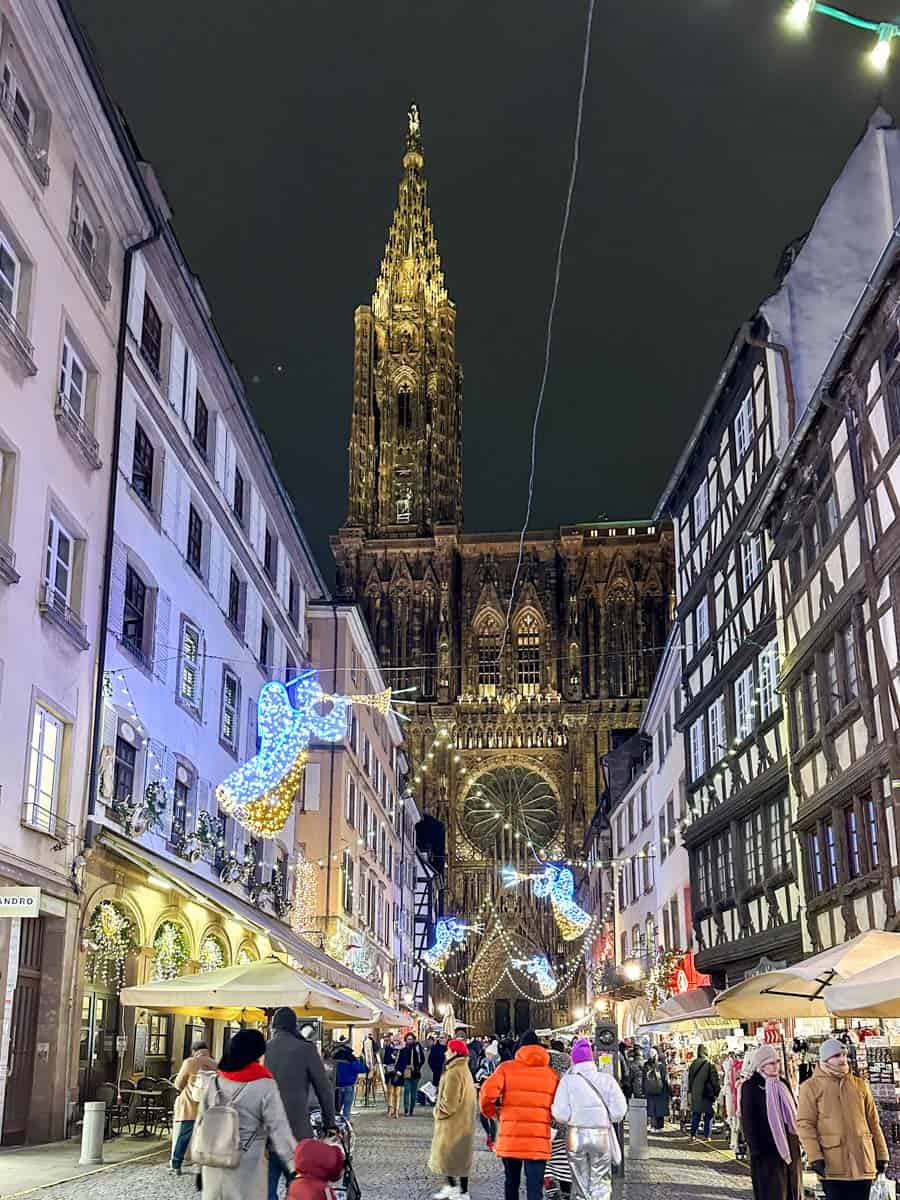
[(685, 975), (20, 902)]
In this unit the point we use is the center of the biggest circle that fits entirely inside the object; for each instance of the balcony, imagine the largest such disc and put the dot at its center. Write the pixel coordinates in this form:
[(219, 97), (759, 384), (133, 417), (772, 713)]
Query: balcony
[(91, 263), (36, 155), (8, 572), (77, 431), (45, 820), (15, 335), (53, 608), (137, 652)]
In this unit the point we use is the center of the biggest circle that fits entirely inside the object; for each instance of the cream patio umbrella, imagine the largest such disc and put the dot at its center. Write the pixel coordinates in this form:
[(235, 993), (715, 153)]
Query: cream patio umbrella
[(248, 992), (797, 991), (871, 993)]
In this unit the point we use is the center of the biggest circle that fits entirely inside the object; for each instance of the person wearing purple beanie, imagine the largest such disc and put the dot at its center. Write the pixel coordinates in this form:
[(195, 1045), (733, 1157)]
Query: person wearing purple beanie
[(589, 1103)]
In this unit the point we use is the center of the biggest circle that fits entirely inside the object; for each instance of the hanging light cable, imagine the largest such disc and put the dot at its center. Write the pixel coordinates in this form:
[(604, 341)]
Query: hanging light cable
[(798, 14)]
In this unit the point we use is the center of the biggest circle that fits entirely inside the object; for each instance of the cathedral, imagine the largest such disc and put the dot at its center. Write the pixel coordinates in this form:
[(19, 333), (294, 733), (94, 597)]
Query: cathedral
[(518, 696)]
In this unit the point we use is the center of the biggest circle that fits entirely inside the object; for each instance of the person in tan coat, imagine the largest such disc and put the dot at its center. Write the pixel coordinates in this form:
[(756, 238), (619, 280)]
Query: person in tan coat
[(453, 1143), (838, 1125), (189, 1082)]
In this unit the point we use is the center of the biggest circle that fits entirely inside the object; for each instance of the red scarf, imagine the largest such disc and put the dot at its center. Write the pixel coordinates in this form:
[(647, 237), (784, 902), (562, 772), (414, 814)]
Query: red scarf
[(248, 1074)]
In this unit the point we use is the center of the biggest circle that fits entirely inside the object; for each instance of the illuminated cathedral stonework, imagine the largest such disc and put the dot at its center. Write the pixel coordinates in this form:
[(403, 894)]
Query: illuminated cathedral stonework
[(529, 714)]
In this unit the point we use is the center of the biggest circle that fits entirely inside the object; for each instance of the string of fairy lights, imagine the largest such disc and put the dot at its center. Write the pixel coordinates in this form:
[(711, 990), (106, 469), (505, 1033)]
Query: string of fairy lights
[(797, 17)]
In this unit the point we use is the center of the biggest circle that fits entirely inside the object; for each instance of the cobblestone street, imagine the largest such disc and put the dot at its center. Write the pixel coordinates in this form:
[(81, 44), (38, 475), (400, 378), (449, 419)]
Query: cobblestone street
[(391, 1161)]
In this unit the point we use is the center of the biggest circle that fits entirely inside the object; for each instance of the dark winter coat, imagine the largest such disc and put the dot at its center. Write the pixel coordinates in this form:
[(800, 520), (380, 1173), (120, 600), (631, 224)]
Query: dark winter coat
[(701, 1069), (773, 1178), (658, 1104), (436, 1056), (411, 1056), (297, 1067)]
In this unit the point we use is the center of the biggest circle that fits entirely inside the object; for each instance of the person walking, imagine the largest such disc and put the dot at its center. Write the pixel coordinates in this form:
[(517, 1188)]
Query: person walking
[(839, 1127), (522, 1091), (590, 1103), (247, 1086), (655, 1086), (703, 1085), (489, 1063), (560, 1061), (410, 1062), (476, 1053), (769, 1125), (436, 1057), (453, 1143), (393, 1081), (194, 1073), (296, 1067), (348, 1069), (635, 1064)]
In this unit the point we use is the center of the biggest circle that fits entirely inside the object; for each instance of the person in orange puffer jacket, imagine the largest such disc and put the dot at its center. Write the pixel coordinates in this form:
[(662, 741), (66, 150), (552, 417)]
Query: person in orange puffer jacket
[(522, 1092), (317, 1165)]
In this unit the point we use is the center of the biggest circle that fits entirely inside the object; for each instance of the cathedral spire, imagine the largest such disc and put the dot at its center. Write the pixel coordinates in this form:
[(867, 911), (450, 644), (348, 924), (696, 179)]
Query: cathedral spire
[(411, 267)]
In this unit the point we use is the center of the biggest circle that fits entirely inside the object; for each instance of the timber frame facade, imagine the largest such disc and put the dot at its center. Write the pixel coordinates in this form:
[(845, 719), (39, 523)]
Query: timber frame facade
[(744, 882), (836, 521)]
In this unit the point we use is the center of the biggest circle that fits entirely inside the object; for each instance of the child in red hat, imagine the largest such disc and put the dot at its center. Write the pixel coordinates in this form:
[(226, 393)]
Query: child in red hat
[(318, 1165)]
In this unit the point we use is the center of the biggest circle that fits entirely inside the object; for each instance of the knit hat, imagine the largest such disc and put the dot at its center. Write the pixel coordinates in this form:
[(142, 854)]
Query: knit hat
[(829, 1048), (582, 1051), (458, 1046), (492, 1050), (765, 1054)]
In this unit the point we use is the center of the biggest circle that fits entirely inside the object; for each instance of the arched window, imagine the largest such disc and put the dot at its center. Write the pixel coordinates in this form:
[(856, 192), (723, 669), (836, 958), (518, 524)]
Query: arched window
[(404, 408), (489, 658), (528, 655)]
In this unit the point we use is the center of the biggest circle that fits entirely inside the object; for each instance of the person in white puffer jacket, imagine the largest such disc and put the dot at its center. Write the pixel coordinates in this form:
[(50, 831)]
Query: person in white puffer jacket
[(589, 1103)]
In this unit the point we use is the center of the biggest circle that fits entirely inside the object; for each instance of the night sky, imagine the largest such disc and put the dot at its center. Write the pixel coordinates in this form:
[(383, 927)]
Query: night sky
[(711, 137)]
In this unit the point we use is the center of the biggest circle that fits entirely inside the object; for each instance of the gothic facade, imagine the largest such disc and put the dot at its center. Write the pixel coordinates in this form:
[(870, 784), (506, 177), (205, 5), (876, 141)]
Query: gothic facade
[(515, 703)]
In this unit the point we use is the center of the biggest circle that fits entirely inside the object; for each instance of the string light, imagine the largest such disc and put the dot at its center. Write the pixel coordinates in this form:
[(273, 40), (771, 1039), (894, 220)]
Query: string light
[(799, 12)]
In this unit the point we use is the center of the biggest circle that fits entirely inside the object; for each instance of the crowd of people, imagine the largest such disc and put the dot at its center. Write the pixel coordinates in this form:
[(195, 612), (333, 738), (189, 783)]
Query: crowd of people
[(545, 1111)]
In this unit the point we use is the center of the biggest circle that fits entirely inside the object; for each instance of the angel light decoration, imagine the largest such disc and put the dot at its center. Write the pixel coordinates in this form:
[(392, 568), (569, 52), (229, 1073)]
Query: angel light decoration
[(448, 933), (539, 969), (557, 882)]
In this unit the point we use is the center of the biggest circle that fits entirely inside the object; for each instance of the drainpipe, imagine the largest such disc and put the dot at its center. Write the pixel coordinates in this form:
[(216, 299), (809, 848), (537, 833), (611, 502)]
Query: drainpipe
[(332, 754), (784, 354), (96, 718)]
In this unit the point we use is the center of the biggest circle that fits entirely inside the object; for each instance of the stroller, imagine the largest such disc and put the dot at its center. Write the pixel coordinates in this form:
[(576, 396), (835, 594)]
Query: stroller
[(348, 1188)]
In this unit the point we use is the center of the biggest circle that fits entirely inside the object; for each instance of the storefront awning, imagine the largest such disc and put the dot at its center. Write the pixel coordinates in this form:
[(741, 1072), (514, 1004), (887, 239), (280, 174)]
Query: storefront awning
[(296, 947), (703, 1021), (872, 993), (382, 1013)]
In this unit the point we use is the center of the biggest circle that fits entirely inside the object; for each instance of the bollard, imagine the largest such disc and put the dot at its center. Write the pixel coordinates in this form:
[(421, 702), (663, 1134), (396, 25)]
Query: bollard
[(637, 1128), (92, 1133)]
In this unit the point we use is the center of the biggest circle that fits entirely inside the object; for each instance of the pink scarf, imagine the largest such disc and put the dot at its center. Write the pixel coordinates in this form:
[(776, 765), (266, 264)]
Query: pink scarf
[(782, 1113)]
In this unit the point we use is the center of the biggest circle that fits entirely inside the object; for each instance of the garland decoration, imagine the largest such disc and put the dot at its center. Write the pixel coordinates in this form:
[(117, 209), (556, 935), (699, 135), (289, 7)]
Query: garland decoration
[(799, 12), (110, 939), (212, 954), (170, 952)]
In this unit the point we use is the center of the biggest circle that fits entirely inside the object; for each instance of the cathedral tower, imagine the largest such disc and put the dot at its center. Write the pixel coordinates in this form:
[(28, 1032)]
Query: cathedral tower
[(406, 426)]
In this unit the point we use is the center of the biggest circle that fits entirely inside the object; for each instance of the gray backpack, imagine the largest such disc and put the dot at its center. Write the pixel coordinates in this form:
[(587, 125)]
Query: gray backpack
[(216, 1140)]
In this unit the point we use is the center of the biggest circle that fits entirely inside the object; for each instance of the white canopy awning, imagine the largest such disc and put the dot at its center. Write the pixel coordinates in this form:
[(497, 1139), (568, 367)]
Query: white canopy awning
[(704, 1020), (871, 993)]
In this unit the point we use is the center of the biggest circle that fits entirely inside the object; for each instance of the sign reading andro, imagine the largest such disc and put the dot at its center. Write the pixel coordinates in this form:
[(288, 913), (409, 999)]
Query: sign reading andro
[(20, 902)]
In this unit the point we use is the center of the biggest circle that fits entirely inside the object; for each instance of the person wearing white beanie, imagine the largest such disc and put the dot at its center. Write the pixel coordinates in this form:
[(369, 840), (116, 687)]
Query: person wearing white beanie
[(839, 1127)]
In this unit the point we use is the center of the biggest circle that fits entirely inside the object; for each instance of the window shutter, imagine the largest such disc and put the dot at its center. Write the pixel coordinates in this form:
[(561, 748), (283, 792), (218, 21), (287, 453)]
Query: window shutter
[(312, 778), (158, 775), (221, 436), (109, 727), (251, 727), (126, 435), (170, 495), (162, 647), (190, 397), (170, 764), (136, 298), (254, 518), (252, 622), (216, 563), (117, 568), (184, 504), (230, 463), (176, 370)]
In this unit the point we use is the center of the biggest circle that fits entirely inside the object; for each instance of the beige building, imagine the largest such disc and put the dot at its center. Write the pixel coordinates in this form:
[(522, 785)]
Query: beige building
[(68, 210), (354, 821)]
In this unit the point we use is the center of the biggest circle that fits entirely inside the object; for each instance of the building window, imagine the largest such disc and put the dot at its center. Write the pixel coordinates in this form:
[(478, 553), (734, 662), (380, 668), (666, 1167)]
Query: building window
[(158, 1035), (828, 515), (235, 595), (181, 795), (347, 867), (404, 408), (189, 683), (816, 862), (264, 638), (195, 540), (201, 424), (663, 838), (134, 612), (645, 807), (769, 698), (851, 832), (751, 560), (231, 702), (832, 697), (704, 876), (293, 598), (9, 278), (72, 380), (237, 500), (779, 836), (350, 803), (795, 565), (743, 704), (60, 560), (743, 426), (269, 554), (700, 506), (851, 673), (724, 866), (717, 739), (528, 656), (871, 821), (123, 770), (753, 848), (151, 337), (701, 623), (142, 465), (698, 749), (489, 660), (44, 758), (831, 861)]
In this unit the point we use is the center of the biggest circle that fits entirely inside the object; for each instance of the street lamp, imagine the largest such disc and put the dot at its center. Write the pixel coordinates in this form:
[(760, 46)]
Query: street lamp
[(632, 970)]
